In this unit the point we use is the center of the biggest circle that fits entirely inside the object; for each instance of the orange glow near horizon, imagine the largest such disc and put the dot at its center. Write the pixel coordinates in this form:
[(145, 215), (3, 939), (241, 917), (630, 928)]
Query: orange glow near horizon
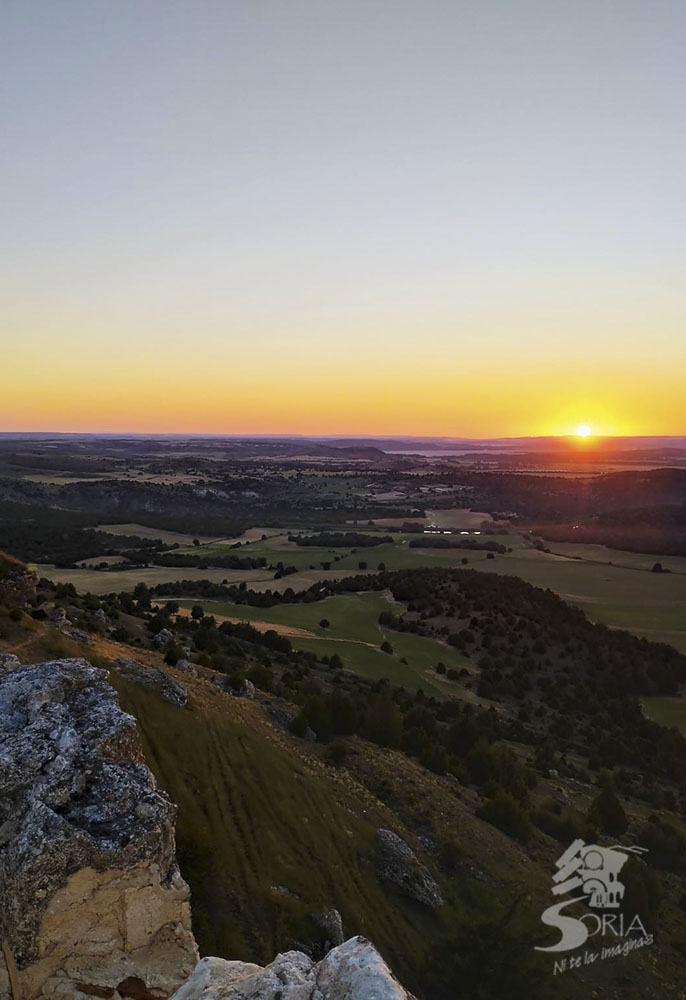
[(169, 395)]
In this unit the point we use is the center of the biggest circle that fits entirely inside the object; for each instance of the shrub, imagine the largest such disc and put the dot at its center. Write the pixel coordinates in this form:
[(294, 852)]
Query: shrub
[(505, 813), (337, 753)]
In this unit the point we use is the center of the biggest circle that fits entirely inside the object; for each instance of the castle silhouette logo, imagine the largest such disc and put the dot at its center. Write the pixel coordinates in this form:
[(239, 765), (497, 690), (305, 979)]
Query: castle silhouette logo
[(595, 871)]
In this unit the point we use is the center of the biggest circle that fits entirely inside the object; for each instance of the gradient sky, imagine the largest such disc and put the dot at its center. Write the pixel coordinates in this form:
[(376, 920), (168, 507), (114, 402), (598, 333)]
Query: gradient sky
[(370, 216)]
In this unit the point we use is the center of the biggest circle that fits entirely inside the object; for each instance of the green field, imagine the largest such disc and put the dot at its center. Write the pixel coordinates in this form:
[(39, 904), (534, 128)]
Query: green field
[(667, 711), (395, 555), (621, 592), (618, 557), (355, 635)]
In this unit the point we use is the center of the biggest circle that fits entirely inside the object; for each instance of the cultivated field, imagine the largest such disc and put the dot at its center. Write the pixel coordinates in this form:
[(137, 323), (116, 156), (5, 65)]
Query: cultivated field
[(615, 588), (114, 581), (169, 537)]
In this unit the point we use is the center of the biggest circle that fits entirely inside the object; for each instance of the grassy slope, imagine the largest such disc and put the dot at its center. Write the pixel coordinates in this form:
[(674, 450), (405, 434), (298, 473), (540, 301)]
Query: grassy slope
[(254, 815)]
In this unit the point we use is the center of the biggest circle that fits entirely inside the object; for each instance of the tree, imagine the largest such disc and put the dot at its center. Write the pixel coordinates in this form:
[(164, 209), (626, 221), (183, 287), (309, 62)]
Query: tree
[(324, 623), (386, 647), (384, 721), (197, 612), (508, 815), (318, 715), (484, 960), (343, 712), (606, 811)]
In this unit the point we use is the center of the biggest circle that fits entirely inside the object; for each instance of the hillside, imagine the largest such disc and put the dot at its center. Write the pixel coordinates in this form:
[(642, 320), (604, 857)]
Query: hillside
[(273, 828)]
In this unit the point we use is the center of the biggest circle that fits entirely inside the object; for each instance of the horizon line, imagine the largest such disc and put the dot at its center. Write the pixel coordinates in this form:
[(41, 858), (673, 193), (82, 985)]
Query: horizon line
[(333, 436)]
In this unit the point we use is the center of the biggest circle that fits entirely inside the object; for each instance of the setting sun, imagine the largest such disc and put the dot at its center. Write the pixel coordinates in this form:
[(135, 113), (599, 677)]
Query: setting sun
[(583, 431)]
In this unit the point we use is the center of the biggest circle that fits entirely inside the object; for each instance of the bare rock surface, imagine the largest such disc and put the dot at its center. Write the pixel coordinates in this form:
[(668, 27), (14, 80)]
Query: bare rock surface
[(397, 863), (150, 677), (92, 900), (353, 971)]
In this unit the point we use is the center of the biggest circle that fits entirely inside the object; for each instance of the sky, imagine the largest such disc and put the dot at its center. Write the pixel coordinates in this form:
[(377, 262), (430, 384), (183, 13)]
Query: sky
[(370, 217)]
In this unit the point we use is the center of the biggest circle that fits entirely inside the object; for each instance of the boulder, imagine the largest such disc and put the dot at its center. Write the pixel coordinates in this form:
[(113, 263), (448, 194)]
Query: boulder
[(353, 971), (98, 618), (8, 661), (397, 863), (151, 677), (93, 903), (163, 637), (247, 689), (186, 667)]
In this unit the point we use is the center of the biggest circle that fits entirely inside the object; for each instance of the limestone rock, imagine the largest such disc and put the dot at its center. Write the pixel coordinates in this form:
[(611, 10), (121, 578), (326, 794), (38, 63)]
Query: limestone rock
[(8, 661), (163, 637), (17, 583), (356, 971), (397, 863), (353, 971), (77, 634), (247, 689), (98, 618), (92, 900), (186, 667), (150, 677)]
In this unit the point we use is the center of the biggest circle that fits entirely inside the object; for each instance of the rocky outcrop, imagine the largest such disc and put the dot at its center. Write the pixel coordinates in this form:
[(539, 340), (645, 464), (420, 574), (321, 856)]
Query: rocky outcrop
[(17, 583), (353, 971), (397, 863), (163, 637), (150, 677), (92, 900), (8, 661), (247, 689)]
